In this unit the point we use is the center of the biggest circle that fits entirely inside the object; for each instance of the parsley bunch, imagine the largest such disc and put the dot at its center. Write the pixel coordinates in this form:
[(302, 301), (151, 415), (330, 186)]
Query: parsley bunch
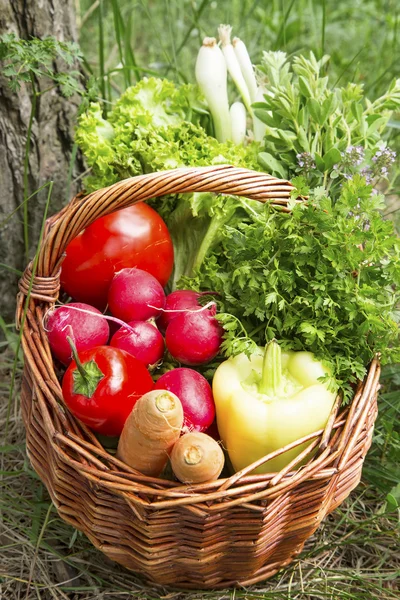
[(325, 278)]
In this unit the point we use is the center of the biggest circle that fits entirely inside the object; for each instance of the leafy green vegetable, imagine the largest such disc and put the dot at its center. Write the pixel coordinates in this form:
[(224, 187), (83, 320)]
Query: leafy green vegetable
[(150, 129), (325, 278), (204, 215), (155, 128), (325, 133)]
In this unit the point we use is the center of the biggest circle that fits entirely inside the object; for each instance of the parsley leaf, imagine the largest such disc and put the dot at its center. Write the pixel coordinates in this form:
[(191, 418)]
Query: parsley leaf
[(324, 278)]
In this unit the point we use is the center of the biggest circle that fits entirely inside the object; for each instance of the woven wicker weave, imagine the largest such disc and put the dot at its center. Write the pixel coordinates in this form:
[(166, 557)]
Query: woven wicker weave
[(237, 530)]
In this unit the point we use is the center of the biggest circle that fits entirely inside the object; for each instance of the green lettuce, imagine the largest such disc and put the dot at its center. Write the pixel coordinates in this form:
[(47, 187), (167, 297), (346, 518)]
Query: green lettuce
[(152, 127)]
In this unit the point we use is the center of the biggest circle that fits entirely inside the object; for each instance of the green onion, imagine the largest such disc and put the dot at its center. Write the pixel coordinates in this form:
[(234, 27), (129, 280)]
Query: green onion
[(246, 66), (211, 76), (233, 64), (238, 118)]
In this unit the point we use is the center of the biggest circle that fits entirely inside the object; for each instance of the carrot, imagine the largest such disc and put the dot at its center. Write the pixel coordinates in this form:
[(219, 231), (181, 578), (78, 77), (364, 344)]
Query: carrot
[(197, 458), (150, 431)]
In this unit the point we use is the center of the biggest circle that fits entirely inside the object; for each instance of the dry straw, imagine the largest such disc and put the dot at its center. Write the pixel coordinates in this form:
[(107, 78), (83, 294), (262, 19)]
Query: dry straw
[(239, 530)]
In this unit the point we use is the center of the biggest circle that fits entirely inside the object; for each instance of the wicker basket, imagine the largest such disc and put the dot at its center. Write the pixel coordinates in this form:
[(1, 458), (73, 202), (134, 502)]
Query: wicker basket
[(233, 531)]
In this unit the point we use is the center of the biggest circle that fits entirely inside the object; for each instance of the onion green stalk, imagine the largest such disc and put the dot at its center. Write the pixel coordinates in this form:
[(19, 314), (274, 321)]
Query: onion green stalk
[(233, 64), (238, 119), (246, 66), (211, 76)]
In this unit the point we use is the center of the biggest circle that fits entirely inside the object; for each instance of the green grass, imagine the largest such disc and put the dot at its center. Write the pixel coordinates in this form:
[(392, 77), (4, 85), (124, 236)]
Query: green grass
[(165, 35), (355, 553)]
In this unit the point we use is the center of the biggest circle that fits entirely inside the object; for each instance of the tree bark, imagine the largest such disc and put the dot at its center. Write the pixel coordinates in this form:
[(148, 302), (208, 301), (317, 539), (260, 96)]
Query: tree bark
[(51, 141)]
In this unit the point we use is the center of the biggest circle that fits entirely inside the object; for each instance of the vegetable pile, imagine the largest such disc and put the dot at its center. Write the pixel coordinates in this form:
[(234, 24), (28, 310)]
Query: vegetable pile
[(202, 310)]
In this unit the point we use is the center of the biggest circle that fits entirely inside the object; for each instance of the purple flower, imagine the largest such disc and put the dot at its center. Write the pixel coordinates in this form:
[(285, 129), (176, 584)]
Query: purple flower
[(353, 156), (367, 174), (305, 161), (383, 160)]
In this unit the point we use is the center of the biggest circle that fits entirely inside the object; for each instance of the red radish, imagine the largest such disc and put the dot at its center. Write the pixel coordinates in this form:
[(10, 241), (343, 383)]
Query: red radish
[(73, 320), (194, 338), (145, 342), (194, 392), (176, 302), (135, 295)]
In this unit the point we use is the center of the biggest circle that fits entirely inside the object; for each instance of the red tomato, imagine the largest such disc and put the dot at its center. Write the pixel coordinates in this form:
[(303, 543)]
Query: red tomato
[(132, 237), (118, 381)]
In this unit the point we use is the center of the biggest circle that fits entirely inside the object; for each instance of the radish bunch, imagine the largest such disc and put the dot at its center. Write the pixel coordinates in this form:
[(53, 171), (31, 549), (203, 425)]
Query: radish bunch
[(149, 322), (192, 334)]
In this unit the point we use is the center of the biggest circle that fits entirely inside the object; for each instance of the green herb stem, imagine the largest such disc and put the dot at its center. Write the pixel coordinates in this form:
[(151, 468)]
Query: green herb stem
[(87, 376), (207, 241)]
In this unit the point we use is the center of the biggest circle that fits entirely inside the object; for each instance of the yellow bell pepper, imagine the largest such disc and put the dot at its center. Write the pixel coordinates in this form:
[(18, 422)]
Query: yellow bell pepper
[(267, 401)]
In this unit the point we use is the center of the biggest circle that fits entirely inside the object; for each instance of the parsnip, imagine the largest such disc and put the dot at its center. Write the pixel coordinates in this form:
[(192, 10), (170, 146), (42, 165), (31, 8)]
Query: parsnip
[(150, 432), (197, 458)]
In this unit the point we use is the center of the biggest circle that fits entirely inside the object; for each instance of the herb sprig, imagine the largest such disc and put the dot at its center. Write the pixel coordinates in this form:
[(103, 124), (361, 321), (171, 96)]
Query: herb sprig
[(26, 61), (325, 278), (321, 131)]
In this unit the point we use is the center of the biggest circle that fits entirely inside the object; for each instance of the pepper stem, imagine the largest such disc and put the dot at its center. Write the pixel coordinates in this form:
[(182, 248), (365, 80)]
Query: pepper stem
[(87, 376), (76, 358), (271, 376)]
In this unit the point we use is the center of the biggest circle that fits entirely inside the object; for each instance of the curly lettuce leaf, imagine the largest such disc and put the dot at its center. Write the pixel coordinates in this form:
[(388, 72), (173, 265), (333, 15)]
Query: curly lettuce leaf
[(153, 126), (151, 102), (94, 137)]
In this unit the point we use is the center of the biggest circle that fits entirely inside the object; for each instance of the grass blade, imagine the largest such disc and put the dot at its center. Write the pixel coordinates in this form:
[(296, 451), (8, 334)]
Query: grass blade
[(349, 64), (12, 213), (119, 33), (282, 29), (26, 166), (130, 59), (323, 27), (195, 24), (70, 171), (11, 269), (101, 55)]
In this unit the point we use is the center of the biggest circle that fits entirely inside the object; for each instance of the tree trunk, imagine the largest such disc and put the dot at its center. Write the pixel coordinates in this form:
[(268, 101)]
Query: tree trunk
[(51, 140)]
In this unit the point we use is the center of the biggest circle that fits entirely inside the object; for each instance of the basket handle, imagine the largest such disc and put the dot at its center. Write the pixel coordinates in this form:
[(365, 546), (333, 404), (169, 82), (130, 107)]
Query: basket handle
[(222, 179)]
